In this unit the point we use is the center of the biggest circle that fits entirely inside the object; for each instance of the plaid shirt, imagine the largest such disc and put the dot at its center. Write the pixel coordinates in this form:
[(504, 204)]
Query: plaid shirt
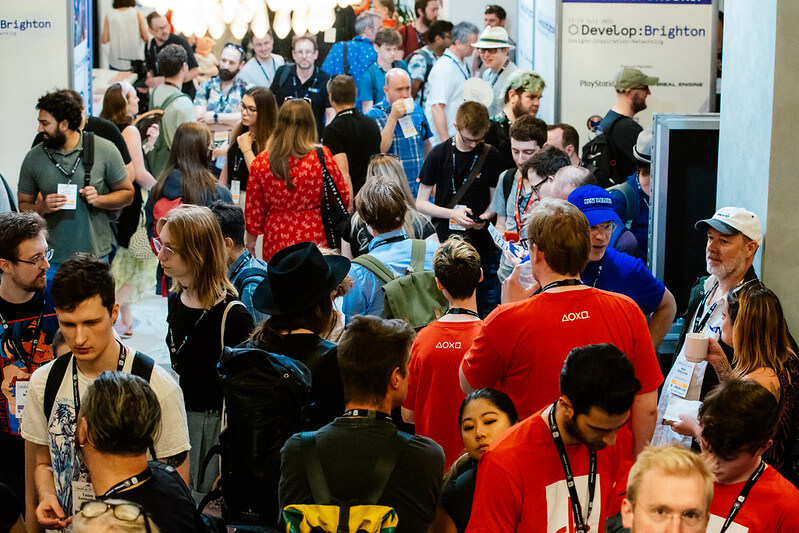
[(409, 150), (209, 95)]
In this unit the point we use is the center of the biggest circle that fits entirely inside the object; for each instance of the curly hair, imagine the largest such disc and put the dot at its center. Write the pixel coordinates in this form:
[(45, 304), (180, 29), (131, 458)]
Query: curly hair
[(62, 107)]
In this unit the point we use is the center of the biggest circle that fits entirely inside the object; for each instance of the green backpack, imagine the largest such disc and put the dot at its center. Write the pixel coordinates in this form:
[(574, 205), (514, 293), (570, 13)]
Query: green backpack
[(414, 297), (157, 158), (330, 515)]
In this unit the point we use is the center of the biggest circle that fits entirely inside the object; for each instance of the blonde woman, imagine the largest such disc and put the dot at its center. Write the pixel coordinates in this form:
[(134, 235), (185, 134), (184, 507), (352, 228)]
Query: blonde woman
[(355, 240), (201, 307), (284, 193)]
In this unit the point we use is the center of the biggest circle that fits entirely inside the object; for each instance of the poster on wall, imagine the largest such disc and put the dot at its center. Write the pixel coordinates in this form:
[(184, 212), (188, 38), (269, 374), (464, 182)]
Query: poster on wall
[(672, 40), (524, 41), (82, 51), (546, 49)]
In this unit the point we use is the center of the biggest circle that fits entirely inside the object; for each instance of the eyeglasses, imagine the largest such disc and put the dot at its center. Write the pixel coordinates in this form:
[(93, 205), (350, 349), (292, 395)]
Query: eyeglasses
[(158, 245), (538, 185), (468, 140), (489, 51), (36, 261), (249, 109), (605, 227), (307, 99), (690, 518), (123, 510)]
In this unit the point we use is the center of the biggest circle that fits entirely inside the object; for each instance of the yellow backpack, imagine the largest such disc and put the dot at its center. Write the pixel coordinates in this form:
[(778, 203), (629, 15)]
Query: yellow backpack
[(329, 515)]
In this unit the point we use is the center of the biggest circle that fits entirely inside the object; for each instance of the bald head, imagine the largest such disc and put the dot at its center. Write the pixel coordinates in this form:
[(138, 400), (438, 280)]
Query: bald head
[(398, 85), (569, 178)]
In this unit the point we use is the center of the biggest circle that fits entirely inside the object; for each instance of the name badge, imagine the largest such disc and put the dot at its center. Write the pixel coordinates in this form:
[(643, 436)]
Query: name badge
[(408, 129), (70, 190), (82, 492), (681, 378), (453, 225), (20, 395), (330, 35), (235, 191)]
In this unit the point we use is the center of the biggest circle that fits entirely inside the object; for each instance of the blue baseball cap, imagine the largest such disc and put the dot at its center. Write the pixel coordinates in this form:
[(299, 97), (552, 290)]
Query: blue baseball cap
[(595, 203)]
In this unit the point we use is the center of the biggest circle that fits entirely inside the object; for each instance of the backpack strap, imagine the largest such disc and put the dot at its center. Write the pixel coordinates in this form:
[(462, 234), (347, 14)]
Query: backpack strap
[(58, 370), (386, 464), (418, 249), (142, 367), (247, 276), (346, 65), (313, 468), (507, 182), (373, 265), (171, 98), (478, 166), (631, 207), (10, 194), (88, 157)]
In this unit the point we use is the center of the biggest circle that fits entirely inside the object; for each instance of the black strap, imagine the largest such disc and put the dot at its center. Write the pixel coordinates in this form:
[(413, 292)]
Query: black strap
[(478, 166), (346, 61), (142, 367), (507, 183), (739, 501), (128, 483), (9, 193), (461, 311), (88, 157), (562, 283)]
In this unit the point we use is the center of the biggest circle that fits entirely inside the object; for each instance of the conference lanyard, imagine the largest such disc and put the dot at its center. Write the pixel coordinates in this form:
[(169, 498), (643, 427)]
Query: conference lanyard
[(171, 340), (461, 311), (454, 171), (274, 68), (75, 393), (457, 64), (366, 413), (739, 501), (396, 238), (577, 511), (599, 271), (60, 168), (518, 213), (500, 73), (36, 331), (699, 324), (308, 89), (128, 483), (561, 283)]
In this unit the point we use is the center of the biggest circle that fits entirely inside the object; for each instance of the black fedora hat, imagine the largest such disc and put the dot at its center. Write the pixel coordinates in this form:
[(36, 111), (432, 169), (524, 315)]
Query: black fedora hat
[(297, 277)]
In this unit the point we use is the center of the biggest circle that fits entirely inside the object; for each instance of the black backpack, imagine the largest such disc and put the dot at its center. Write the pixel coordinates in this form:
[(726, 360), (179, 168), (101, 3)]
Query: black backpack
[(266, 396), (598, 156)]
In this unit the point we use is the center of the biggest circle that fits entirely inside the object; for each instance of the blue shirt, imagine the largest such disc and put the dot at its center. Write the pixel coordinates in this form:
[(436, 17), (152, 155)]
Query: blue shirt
[(624, 274), (366, 296), (640, 223), (210, 96), (361, 55), (245, 261), (370, 86), (409, 150)]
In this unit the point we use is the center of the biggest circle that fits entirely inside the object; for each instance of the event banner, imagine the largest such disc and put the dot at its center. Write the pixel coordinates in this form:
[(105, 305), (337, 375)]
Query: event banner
[(673, 40), (524, 42), (545, 54)]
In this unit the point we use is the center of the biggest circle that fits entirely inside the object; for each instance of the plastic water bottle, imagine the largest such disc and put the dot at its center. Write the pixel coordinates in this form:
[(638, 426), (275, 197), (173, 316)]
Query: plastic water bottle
[(526, 279)]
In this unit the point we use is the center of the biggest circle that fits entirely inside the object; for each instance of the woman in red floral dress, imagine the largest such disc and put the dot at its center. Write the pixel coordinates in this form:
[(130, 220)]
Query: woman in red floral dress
[(284, 193)]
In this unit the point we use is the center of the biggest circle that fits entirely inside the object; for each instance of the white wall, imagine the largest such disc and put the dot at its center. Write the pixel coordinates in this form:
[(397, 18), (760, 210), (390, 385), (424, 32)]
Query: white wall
[(472, 11)]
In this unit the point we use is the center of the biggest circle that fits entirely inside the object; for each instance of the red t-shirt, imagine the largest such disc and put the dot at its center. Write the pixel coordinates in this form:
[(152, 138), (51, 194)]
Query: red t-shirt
[(772, 506), (434, 390), (522, 346), (521, 486)]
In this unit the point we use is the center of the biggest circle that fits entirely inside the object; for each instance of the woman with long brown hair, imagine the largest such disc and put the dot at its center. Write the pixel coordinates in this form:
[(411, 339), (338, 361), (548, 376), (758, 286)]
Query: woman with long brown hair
[(203, 315), (186, 179), (284, 199), (249, 137), (133, 276)]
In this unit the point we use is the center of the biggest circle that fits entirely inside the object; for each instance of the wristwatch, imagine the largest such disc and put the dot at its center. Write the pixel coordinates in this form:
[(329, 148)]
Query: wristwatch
[(216, 117)]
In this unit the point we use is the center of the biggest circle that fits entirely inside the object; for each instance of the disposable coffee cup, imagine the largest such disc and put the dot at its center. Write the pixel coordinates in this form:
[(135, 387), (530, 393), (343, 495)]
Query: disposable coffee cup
[(409, 105), (695, 347)]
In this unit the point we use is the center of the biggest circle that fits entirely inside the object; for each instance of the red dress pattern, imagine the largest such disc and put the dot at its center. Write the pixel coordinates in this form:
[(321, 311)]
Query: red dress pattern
[(284, 216)]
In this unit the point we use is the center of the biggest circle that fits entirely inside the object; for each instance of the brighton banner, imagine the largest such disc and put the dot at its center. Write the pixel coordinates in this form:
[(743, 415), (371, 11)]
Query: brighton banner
[(673, 40)]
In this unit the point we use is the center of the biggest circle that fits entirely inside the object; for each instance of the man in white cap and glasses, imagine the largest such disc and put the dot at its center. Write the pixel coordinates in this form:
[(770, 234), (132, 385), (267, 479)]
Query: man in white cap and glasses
[(494, 47), (733, 236), (632, 88), (631, 198)]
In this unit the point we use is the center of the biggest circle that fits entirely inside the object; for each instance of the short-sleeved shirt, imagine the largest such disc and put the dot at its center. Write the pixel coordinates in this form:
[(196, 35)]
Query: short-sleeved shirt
[(151, 58), (420, 64), (445, 86), (408, 148), (509, 207), (412, 40), (179, 111), (357, 136), (628, 275), (361, 54), (315, 88), (211, 97), (255, 73), (447, 177), (58, 433), (371, 83), (498, 80), (87, 228)]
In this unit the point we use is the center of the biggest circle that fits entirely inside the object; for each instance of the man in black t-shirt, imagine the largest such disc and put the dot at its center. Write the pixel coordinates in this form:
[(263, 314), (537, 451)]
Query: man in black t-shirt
[(162, 36), (352, 137), (115, 448), (447, 168), (373, 358), (28, 325), (303, 79)]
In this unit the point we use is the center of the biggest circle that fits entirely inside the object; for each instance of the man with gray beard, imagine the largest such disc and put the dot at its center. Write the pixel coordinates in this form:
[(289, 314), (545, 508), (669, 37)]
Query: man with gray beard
[(733, 236)]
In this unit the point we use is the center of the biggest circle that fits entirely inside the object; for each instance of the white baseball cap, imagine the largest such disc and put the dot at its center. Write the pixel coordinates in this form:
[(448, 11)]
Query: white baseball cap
[(734, 220)]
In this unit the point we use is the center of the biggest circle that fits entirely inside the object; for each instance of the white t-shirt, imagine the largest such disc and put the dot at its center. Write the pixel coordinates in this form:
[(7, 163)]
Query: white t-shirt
[(445, 86), (58, 433), (262, 74)]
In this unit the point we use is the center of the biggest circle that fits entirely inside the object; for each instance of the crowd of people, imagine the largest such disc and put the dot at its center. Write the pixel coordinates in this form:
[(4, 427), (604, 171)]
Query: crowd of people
[(450, 320)]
